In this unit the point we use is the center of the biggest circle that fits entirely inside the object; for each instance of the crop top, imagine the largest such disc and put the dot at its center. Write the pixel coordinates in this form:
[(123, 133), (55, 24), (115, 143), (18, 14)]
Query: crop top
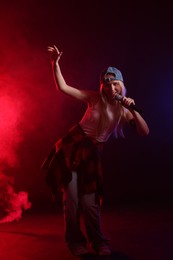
[(99, 122)]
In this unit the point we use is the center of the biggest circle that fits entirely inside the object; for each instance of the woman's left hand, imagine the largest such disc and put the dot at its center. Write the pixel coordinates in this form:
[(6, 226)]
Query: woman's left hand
[(126, 102)]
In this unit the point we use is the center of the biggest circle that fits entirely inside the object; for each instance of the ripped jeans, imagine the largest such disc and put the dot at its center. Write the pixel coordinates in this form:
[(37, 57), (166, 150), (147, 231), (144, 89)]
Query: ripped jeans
[(88, 205)]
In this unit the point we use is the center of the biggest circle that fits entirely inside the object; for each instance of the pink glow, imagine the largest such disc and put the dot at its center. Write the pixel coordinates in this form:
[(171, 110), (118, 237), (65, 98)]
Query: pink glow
[(12, 203), (10, 114)]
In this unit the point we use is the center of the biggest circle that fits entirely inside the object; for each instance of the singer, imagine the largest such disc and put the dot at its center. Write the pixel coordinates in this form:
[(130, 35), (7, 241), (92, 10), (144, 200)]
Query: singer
[(73, 166)]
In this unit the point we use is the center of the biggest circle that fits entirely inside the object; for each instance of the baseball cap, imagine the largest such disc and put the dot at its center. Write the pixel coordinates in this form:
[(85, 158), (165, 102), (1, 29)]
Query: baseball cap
[(111, 70)]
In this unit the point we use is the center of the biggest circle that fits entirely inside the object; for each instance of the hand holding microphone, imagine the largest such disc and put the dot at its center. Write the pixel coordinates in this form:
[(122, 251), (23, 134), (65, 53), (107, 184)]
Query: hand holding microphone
[(130, 105)]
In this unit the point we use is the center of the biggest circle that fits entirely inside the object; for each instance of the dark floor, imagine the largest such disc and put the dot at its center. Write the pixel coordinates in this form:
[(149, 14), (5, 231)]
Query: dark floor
[(144, 233)]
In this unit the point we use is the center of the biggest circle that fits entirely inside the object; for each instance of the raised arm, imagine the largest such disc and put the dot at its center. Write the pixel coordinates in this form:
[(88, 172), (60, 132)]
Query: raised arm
[(60, 82)]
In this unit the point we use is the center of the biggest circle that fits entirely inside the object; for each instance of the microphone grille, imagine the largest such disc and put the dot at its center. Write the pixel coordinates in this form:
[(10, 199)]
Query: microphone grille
[(118, 97)]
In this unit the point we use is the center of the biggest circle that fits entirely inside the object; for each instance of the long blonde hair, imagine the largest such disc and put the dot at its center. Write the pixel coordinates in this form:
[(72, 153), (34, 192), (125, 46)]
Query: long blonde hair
[(118, 131)]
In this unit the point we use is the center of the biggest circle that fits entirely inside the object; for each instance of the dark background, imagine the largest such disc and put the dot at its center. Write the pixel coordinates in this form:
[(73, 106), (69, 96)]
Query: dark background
[(137, 38)]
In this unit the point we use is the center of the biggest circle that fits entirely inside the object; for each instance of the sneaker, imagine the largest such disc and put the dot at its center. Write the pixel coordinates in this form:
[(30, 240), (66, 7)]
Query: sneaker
[(79, 250), (103, 250)]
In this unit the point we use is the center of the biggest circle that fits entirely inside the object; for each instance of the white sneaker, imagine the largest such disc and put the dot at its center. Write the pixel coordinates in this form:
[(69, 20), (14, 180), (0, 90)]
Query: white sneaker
[(79, 250), (103, 250)]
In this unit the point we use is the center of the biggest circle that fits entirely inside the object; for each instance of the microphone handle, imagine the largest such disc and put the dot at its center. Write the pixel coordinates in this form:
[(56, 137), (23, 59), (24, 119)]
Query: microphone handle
[(135, 108), (119, 98)]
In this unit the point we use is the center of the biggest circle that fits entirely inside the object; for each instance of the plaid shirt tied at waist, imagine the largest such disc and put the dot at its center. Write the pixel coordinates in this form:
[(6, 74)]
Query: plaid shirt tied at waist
[(75, 152)]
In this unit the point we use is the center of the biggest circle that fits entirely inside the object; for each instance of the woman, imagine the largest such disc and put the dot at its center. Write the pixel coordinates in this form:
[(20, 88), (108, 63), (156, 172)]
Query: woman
[(73, 166)]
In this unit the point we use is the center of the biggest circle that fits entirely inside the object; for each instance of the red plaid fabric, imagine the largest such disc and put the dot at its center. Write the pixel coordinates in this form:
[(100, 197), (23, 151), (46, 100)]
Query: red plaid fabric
[(79, 153)]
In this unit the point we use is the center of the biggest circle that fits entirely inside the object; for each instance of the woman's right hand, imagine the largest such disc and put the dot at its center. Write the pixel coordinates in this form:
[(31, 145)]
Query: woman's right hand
[(55, 53)]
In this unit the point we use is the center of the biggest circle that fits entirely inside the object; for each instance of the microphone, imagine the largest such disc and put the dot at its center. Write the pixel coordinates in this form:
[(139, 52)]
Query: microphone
[(133, 106)]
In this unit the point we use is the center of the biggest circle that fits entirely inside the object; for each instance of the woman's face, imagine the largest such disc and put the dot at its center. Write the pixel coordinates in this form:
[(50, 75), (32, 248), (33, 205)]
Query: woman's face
[(111, 87)]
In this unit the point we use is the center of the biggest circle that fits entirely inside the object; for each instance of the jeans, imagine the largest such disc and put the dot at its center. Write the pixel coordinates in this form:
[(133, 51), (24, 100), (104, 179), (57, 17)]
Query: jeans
[(73, 206)]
